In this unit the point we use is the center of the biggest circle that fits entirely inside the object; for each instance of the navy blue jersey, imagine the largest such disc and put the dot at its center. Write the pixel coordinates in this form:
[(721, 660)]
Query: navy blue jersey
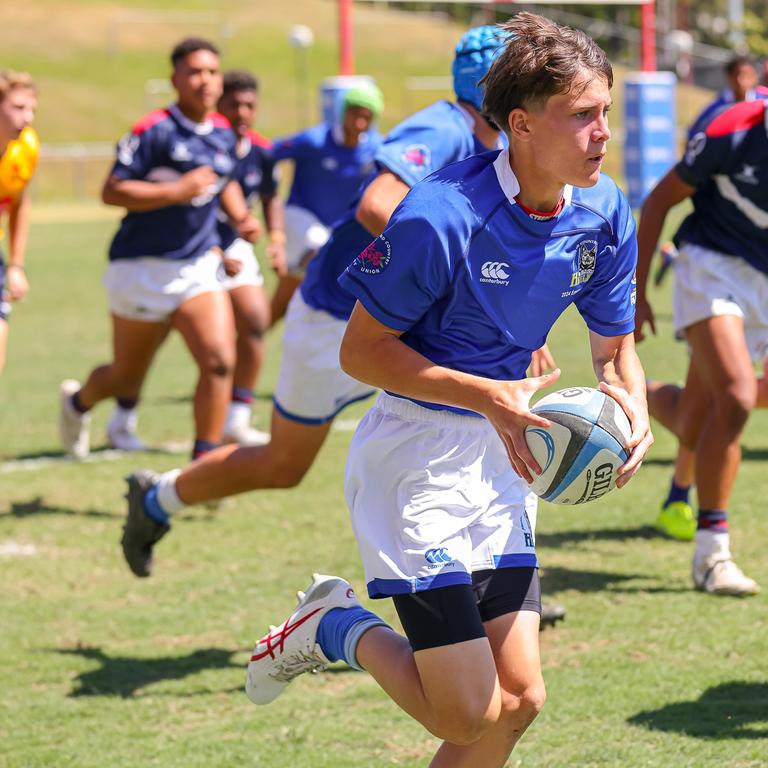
[(256, 174), (475, 282), (326, 173), (724, 99), (161, 147), (727, 162), (440, 134)]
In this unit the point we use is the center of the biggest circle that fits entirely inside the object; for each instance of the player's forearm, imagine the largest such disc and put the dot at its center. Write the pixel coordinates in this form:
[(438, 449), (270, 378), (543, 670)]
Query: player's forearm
[(386, 362), (140, 196), (18, 230), (274, 214), (652, 218), (621, 367)]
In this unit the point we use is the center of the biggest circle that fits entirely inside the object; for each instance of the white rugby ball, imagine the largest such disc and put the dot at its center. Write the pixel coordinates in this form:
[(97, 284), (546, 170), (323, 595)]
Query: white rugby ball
[(580, 453)]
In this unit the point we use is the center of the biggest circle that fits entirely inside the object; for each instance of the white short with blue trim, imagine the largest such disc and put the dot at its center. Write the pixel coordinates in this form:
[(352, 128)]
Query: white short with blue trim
[(305, 234), (312, 388), (250, 272), (433, 498)]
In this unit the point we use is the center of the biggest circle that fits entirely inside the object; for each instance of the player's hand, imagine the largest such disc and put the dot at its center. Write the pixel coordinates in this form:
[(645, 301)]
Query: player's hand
[(232, 266), (641, 438), (249, 228), (200, 182), (509, 413), (643, 315), (277, 258), (17, 285), (541, 362)]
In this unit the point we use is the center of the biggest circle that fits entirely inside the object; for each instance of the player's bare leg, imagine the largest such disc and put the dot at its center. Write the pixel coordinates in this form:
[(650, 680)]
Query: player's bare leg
[(3, 342), (286, 287), (229, 470), (723, 362), (250, 304), (494, 691), (207, 325)]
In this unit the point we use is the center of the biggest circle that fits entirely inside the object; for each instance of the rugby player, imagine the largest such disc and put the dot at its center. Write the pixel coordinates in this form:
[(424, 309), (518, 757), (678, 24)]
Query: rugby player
[(467, 279)]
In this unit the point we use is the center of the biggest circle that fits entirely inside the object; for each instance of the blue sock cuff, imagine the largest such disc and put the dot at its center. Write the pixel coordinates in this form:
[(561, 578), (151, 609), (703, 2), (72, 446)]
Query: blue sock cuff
[(153, 508), (678, 493), (341, 629)]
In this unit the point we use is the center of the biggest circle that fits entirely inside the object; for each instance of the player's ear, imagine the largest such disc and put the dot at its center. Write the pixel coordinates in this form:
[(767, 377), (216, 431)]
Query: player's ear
[(518, 121)]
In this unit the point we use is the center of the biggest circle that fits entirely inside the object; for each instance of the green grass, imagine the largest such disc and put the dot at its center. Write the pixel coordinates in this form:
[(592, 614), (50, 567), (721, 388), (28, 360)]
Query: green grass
[(100, 668)]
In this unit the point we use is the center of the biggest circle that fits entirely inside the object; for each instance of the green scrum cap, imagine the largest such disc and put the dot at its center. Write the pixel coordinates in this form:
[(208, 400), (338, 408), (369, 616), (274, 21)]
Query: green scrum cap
[(367, 96)]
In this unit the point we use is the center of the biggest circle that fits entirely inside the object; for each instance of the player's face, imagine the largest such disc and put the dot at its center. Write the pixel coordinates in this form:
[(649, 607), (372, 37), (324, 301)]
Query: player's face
[(569, 133), (239, 107), (742, 80), (17, 111), (357, 120), (197, 80)]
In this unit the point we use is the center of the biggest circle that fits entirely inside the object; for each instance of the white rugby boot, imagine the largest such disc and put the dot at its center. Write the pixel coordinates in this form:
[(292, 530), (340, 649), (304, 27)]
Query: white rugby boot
[(121, 430), (74, 427), (714, 570), (287, 651)]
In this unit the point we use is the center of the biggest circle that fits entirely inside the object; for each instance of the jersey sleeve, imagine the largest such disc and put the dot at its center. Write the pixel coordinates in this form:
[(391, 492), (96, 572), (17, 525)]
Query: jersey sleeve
[(403, 271), (607, 303), (137, 154), (414, 151), (704, 156), (270, 175), (290, 148)]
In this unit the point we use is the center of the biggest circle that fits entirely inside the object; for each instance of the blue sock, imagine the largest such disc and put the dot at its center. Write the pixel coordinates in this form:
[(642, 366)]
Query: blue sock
[(152, 507), (677, 493), (341, 629), (202, 447), (715, 520)]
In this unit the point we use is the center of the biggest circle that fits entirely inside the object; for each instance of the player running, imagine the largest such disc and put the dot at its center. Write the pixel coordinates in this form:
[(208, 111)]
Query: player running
[(472, 271), (19, 149), (330, 162), (721, 305), (312, 389), (170, 172)]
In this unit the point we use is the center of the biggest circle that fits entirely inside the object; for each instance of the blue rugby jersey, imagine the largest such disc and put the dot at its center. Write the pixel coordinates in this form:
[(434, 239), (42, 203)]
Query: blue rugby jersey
[(161, 147), (476, 283), (437, 135), (256, 174), (326, 174), (727, 162)]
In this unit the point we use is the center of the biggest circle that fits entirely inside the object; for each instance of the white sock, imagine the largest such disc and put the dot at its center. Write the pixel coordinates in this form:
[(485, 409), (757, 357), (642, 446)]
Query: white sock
[(238, 415), (124, 419), (166, 492), (710, 542)]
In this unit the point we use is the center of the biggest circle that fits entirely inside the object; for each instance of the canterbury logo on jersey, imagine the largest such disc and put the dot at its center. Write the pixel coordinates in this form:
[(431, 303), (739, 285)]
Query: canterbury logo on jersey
[(437, 556), (495, 272)]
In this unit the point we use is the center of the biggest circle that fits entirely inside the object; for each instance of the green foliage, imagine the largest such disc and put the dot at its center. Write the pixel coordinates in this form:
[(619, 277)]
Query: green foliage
[(102, 669)]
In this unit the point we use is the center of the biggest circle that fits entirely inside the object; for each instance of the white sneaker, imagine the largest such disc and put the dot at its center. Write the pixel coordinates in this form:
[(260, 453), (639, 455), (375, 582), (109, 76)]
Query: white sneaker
[(121, 430), (246, 436), (290, 649), (73, 426), (717, 574)]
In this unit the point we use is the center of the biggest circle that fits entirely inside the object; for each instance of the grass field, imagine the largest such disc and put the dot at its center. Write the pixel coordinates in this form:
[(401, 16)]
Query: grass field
[(102, 669)]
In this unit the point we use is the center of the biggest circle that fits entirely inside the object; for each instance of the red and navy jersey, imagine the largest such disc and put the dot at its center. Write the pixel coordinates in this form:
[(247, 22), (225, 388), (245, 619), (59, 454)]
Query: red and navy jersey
[(724, 100), (727, 162), (161, 147), (255, 173)]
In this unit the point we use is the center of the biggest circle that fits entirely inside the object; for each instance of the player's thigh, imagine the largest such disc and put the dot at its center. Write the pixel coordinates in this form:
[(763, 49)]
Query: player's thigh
[(134, 343), (206, 323), (720, 353), (250, 305)]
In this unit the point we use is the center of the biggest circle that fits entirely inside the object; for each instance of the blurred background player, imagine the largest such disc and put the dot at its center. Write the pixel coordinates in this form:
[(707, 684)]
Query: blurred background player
[(163, 272), (330, 162), (721, 305), (436, 472), (19, 150), (256, 175), (676, 518)]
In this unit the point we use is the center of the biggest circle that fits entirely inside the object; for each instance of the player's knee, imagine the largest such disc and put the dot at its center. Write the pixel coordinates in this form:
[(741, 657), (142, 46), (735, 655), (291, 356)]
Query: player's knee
[(735, 403), (219, 363), (525, 706), (288, 475), (467, 721)]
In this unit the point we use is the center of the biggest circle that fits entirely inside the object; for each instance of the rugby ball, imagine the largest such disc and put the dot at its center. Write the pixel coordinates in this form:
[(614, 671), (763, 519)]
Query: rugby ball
[(580, 453)]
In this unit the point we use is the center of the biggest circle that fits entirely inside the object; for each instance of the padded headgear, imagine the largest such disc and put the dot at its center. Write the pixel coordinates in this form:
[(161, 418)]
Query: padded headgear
[(474, 55)]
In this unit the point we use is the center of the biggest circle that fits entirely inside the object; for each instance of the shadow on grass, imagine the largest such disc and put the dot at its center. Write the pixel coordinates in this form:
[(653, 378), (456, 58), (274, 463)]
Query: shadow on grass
[(727, 711), (38, 506), (559, 538), (124, 676), (556, 579)]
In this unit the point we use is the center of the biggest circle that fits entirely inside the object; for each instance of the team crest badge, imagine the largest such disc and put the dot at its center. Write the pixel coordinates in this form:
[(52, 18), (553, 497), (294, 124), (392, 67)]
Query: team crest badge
[(586, 259), (417, 156), (375, 258)]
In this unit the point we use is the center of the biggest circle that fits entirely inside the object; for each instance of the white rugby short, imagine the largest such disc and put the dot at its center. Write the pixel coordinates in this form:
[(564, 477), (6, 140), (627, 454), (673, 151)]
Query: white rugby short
[(250, 273), (312, 388), (304, 233), (710, 284), (433, 498), (152, 289)]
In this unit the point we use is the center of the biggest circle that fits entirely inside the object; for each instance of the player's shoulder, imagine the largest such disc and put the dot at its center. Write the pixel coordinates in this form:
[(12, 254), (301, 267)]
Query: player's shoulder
[(742, 116), (438, 117), (149, 121), (604, 201), (257, 140), (219, 121)]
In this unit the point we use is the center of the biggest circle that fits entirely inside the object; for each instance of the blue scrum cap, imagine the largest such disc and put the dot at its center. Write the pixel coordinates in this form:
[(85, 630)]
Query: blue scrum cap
[(474, 55)]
